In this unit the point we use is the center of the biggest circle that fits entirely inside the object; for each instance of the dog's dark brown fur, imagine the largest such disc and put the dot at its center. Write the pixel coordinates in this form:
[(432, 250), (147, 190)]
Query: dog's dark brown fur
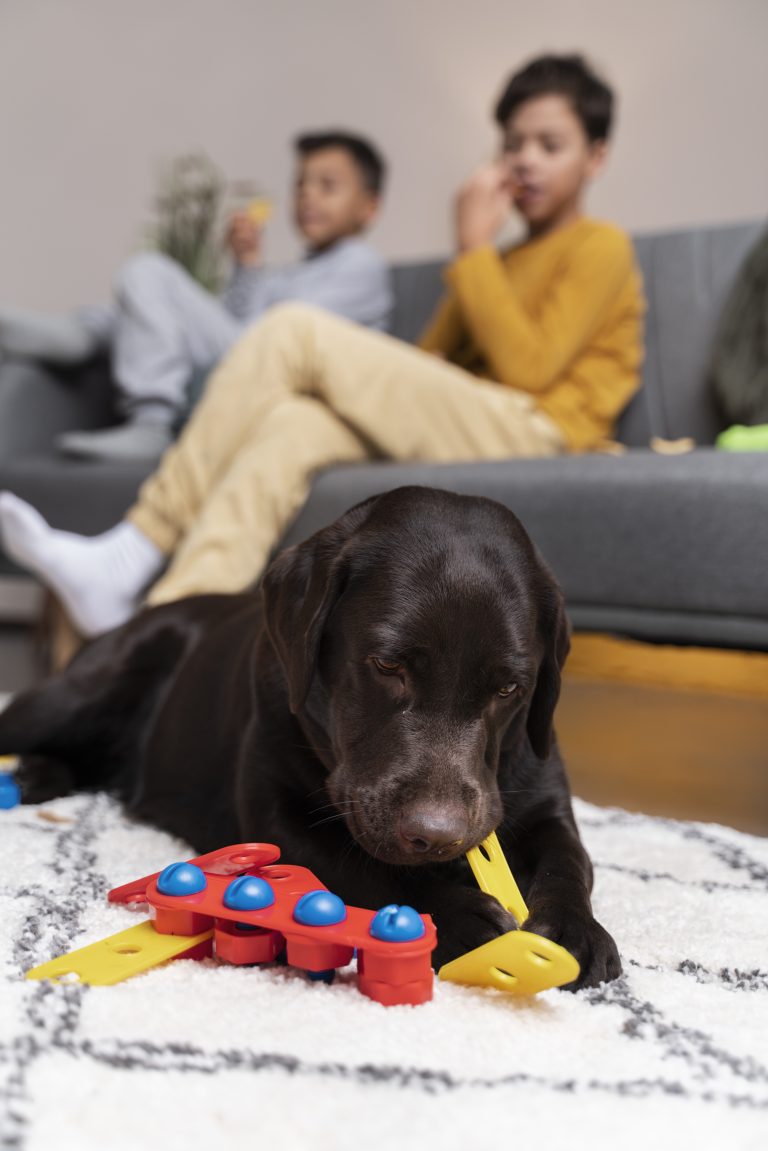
[(358, 713)]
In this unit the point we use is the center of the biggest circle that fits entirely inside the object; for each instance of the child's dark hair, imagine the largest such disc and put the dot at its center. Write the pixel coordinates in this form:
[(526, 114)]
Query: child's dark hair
[(569, 76), (368, 159)]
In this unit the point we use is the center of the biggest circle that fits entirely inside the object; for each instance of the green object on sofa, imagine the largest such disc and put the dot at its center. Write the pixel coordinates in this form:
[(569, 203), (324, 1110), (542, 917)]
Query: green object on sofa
[(740, 438)]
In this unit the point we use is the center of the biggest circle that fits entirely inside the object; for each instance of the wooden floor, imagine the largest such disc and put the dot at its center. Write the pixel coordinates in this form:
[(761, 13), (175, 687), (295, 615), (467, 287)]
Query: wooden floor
[(671, 731)]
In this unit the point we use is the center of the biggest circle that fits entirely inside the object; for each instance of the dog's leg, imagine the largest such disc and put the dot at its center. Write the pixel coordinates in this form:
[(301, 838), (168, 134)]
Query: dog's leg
[(41, 778), (32, 723), (464, 915), (558, 891), (83, 728), (47, 727), (37, 717)]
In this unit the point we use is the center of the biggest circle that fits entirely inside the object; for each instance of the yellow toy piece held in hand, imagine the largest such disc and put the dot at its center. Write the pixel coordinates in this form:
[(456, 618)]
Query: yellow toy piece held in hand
[(519, 962), (259, 210)]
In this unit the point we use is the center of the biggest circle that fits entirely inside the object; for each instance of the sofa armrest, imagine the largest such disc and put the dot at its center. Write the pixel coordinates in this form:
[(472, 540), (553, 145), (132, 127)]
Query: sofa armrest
[(38, 402)]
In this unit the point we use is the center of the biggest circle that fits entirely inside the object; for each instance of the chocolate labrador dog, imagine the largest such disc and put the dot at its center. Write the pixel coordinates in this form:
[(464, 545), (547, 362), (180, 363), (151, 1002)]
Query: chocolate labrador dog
[(382, 706)]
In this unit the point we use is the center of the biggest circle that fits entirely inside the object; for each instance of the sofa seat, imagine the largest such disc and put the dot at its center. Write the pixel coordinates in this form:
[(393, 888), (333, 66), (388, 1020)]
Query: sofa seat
[(670, 548)]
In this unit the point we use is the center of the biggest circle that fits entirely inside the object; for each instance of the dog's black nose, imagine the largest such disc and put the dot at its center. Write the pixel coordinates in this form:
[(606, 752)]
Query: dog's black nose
[(425, 828)]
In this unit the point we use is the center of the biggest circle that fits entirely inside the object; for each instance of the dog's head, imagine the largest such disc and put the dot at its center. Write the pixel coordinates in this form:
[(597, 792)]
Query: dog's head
[(421, 638)]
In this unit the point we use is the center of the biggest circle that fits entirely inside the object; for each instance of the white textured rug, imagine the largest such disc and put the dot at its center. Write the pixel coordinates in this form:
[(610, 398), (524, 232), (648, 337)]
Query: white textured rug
[(675, 1054)]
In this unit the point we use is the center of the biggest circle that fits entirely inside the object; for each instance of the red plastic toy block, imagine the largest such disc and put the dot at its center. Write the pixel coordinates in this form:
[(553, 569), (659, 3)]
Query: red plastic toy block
[(389, 972), (231, 861)]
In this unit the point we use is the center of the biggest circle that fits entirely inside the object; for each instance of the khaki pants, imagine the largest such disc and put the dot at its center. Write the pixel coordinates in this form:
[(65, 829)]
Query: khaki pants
[(300, 391)]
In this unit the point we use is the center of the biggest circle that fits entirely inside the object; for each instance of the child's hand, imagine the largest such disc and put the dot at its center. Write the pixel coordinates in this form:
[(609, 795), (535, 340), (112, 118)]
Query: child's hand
[(482, 206), (244, 239)]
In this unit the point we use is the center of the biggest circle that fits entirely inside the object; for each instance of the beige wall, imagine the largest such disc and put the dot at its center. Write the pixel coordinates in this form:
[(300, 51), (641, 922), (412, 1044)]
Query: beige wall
[(93, 93)]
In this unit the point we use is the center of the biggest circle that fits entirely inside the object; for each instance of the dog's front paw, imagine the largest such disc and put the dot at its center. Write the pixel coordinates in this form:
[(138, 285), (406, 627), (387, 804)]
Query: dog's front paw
[(588, 942), (41, 779), (468, 921)]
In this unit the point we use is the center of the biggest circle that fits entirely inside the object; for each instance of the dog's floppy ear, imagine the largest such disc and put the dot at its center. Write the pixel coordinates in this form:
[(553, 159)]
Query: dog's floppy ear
[(556, 639), (299, 590)]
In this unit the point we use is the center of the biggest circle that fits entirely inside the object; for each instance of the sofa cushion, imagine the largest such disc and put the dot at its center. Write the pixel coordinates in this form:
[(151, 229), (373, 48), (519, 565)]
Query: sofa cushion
[(72, 494), (37, 403), (417, 289), (678, 536)]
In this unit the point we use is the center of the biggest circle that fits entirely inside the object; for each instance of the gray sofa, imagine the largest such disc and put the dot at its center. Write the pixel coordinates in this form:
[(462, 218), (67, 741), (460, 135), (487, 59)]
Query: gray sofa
[(666, 548)]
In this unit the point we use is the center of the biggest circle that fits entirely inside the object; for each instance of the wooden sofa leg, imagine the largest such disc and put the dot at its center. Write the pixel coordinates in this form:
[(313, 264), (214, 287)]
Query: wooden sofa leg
[(58, 639)]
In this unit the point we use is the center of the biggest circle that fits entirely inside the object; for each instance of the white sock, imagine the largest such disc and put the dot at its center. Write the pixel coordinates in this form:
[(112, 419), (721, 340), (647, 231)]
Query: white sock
[(97, 578)]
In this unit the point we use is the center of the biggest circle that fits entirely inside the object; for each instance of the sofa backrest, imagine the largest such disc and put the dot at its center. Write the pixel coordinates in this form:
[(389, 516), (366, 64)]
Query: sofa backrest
[(687, 276), (417, 288)]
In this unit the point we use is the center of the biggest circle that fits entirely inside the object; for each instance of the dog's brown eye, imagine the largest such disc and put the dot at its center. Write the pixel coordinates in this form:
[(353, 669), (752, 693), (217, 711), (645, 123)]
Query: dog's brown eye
[(508, 690), (386, 666)]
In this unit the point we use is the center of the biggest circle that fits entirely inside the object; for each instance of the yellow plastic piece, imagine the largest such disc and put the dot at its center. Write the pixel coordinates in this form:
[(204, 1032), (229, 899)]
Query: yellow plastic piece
[(519, 962), (492, 873), (118, 956), (8, 761), (259, 210)]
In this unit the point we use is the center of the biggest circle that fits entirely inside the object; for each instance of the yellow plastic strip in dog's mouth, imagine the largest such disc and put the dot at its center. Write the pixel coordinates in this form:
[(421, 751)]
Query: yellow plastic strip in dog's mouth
[(492, 873), (118, 956)]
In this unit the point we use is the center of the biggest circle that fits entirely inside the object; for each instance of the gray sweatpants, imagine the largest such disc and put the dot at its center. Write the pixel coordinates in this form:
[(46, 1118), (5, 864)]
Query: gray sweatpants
[(163, 330)]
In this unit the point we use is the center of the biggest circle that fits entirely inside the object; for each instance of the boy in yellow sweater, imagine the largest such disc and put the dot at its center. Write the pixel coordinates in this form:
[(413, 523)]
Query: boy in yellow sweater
[(534, 352), (559, 315)]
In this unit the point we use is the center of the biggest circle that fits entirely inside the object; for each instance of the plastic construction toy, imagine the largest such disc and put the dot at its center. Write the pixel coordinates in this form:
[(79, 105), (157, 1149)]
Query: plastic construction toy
[(519, 962), (238, 904), (241, 904), (10, 796)]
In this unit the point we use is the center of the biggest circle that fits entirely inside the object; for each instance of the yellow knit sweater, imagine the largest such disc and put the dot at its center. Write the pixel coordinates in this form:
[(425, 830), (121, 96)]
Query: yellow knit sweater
[(559, 317)]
